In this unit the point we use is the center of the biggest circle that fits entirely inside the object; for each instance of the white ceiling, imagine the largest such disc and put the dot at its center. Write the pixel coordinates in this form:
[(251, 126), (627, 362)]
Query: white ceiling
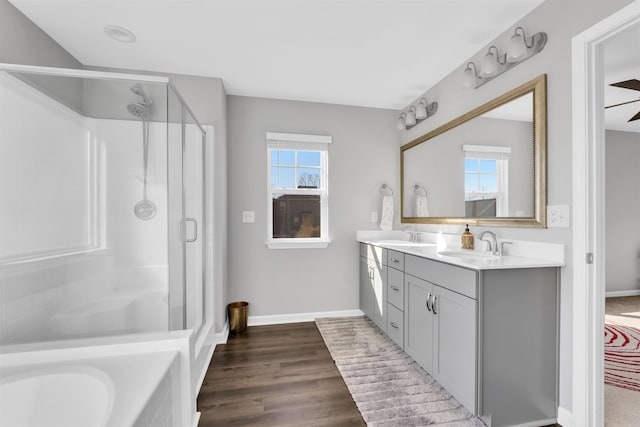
[(622, 62), (374, 53)]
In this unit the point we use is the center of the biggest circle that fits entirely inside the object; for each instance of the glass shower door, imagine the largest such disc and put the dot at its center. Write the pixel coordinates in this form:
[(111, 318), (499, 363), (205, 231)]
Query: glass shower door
[(194, 221)]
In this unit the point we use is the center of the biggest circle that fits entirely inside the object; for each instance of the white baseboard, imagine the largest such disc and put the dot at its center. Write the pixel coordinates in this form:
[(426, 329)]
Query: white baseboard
[(565, 417), (196, 419), (220, 337), (537, 423), (277, 319), (630, 293)]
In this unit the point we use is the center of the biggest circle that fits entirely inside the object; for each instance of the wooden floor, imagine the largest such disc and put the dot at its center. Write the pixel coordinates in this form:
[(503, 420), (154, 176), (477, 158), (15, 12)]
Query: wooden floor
[(278, 375)]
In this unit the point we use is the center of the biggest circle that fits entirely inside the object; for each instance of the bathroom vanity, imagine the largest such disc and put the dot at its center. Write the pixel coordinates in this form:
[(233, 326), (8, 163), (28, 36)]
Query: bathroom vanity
[(485, 327)]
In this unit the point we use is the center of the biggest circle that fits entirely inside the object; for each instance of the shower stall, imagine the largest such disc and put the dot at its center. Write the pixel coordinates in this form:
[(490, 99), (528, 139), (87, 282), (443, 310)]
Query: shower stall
[(103, 218)]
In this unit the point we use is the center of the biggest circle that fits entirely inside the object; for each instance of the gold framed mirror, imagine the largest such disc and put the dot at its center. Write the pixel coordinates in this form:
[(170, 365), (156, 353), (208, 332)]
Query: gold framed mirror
[(486, 167)]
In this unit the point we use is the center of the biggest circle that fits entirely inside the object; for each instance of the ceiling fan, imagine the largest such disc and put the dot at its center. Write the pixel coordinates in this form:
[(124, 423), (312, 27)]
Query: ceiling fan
[(632, 84)]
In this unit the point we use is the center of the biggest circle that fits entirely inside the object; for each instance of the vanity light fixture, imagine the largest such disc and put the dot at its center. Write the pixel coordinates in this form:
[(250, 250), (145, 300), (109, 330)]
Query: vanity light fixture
[(415, 115), (520, 48)]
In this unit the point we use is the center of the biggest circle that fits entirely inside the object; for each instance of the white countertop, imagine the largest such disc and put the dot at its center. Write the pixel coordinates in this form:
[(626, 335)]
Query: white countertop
[(472, 259)]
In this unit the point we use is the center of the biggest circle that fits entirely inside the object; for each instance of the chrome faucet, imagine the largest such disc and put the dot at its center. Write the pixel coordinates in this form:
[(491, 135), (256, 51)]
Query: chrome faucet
[(492, 245), (414, 236)]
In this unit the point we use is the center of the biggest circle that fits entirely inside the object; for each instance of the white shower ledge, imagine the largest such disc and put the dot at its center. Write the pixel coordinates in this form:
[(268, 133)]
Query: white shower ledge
[(446, 248)]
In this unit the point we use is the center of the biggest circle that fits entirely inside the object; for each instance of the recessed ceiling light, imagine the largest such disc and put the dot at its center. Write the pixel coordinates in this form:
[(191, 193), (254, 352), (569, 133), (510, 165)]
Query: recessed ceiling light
[(119, 34)]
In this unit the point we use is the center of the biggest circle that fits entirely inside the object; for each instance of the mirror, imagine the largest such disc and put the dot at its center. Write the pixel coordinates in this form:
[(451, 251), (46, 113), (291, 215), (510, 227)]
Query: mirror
[(487, 167)]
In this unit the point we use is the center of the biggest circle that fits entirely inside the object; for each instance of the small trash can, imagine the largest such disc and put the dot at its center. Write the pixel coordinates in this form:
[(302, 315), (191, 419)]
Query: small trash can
[(238, 312)]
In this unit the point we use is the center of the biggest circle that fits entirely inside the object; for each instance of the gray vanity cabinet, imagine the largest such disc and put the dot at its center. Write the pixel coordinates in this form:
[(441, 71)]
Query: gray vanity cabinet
[(440, 331), (418, 322), (373, 284), (488, 336)]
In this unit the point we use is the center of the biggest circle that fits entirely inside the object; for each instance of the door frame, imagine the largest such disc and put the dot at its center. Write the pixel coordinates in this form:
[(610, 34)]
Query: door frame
[(589, 214)]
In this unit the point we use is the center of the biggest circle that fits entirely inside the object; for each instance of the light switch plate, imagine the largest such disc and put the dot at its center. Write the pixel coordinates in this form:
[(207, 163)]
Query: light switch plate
[(558, 216), (374, 216), (248, 216)]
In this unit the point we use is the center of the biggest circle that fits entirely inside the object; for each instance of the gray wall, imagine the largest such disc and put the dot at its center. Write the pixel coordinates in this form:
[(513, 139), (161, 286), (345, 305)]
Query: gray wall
[(623, 210), (561, 20), (363, 155)]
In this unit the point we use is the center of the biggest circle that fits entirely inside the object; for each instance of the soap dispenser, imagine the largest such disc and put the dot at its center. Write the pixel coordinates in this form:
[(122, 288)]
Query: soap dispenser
[(466, 239)]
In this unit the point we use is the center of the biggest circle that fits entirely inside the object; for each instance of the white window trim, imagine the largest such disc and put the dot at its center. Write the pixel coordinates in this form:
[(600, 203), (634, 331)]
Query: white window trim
[(501, 155), (293, 141)]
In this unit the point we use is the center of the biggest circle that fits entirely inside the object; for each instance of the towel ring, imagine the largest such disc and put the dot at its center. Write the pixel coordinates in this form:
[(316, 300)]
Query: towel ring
[(385, 189), (418, 188)]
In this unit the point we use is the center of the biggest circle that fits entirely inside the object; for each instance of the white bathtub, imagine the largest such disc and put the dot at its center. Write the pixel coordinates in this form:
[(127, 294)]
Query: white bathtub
[(118, 302), (138, 390), (68, 396)]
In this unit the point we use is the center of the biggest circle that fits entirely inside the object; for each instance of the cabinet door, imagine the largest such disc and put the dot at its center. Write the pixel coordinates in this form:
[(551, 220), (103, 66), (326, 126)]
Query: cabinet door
[(454, 356), (418, 321), (366, 288), (379, 285)]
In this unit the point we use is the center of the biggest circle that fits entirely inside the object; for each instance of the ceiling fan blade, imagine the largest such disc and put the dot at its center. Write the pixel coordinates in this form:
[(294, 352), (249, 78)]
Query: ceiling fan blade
[(632, 84), (636, 117), (622, 103)]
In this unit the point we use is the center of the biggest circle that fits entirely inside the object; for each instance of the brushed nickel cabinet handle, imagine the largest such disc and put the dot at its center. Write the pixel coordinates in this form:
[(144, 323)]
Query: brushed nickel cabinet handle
[(428, 299), (395, 289), (393, 324), (396, 260), (433, 304)]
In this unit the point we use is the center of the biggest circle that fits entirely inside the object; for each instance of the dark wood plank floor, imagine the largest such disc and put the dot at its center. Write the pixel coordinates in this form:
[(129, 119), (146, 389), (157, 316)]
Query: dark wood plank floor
[(277, 375)]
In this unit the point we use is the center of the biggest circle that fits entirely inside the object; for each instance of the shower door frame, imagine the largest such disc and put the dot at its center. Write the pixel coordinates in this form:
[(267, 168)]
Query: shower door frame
[(144, 78)]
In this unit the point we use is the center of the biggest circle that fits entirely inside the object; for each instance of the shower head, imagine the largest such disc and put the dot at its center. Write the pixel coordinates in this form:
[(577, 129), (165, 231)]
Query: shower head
[(138, 110), (138, 90)]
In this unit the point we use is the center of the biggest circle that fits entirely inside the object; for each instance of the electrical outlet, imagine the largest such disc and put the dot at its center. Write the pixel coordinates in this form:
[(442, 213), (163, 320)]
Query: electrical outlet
[(374, 216), (558, 216), (248, 216)]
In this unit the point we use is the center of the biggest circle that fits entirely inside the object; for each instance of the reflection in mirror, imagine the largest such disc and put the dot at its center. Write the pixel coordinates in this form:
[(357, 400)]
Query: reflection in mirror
[(487, 165)]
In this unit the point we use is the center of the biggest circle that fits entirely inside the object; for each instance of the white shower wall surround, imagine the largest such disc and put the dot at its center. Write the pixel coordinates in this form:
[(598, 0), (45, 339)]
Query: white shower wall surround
[(94, 261)]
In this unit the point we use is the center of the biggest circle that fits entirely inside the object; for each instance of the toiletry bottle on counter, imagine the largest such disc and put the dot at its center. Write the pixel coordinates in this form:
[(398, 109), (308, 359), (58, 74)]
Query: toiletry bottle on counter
[(467, 239)]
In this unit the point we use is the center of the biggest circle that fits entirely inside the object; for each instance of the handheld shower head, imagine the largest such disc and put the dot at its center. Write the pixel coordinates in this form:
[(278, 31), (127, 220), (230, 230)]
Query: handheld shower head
[(138, 110), (138, 90)]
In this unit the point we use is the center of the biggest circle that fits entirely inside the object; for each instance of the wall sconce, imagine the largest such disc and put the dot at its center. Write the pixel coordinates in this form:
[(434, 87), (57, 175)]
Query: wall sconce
[(415, 115), (493, 64)]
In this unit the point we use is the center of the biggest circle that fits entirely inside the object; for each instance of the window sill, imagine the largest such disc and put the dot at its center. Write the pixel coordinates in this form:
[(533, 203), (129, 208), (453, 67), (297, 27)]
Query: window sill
[(296, 244)]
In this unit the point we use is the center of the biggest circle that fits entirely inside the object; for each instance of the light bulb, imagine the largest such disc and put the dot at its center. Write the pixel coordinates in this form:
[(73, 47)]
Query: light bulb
[(410, 118), (516, 50), (469, 77), (421, 110), (489, 66)]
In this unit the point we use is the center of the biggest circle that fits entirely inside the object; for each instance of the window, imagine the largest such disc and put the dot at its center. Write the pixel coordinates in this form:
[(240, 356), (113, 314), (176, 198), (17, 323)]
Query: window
[(297, 190), (486, 180)]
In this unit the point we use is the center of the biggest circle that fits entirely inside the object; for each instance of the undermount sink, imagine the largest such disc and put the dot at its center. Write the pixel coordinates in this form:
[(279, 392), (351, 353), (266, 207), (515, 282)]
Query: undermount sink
[(405, 243), (470, 255)]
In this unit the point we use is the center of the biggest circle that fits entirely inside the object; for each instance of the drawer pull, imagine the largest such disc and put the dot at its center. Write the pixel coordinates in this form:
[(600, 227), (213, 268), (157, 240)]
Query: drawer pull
[(395, 289), (394, 324), (428, 299), (433, 304), (396, 260)]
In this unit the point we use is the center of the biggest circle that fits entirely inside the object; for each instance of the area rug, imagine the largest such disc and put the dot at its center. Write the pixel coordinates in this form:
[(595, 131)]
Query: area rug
[(389, 388), (622, 356)]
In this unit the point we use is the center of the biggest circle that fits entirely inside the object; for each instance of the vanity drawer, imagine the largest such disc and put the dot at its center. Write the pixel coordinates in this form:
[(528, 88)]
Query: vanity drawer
[(395, 325), (457, 279), (374, 253), (395, 288), (396, 259)]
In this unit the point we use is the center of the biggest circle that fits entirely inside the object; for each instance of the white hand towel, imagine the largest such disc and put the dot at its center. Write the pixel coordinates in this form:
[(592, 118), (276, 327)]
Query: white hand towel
[(386, 221), (422, 207)]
